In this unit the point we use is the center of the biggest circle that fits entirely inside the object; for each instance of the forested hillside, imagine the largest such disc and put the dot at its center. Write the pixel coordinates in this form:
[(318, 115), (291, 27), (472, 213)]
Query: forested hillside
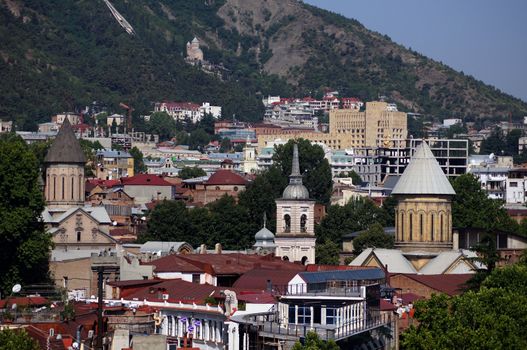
[(58, 55)]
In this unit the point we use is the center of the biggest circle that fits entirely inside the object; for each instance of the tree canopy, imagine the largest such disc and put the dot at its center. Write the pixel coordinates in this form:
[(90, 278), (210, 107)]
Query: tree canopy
[(25, 247), (473, 208), (17, 339), (313, 342), (314, 167), (492, 318), (373, 237), (191, 172), (139, 164)]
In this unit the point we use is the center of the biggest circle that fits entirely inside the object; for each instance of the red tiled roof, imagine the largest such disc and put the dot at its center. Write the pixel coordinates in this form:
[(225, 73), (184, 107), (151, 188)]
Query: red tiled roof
[(387, 306), (174, 263), (177, 290), (145, 180), (408, 298), (257, 278), (24, 301), (226, 177), (451, 284)]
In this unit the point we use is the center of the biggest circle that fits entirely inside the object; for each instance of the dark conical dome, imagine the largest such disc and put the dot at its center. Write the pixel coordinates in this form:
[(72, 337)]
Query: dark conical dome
[(66, 149)]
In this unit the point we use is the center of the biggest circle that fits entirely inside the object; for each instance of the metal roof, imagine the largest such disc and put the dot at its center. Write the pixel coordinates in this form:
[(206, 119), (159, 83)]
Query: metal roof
[(342, 275), (393, 258), (423, 175), (66, 149)]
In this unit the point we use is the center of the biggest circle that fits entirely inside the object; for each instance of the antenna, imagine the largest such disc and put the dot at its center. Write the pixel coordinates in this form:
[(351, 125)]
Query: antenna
[(265, 219)]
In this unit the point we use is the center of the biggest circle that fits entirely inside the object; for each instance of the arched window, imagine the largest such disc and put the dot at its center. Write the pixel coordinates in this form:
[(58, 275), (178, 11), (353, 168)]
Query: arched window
[(421, 228), (287, 223), (285, 258), (54, 187), (411, 226), (72, 187), (441, 227), (303, 223), (62, 187), (432, 227), (402, 227), (304, 260)]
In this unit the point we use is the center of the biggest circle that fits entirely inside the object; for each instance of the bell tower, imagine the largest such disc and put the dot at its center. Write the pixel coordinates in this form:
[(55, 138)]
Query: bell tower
[(295, 229)]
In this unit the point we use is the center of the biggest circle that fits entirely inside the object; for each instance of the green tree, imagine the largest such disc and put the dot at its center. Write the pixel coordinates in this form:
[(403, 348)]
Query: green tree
[(90, 151), (198, 138), (327, 253), (162, 124), (168, 221), (313, 342), (139, 164), (471, 207), (389, 204), (495, 143), (17, 340), (373, 237), (314, 167), (356, 215), (225, 145), (191, 172), (512, 141), (24, 252), (492, 318), (207, 123)]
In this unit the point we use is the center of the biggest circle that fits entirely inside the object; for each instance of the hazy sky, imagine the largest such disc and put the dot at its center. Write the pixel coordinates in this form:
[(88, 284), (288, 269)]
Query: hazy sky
[(484, 38)]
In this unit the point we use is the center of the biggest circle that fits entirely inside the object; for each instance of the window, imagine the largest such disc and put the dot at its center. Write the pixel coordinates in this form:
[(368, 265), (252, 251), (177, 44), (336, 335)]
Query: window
[(304, 314), (514, 184), (195, 278), (421, 229), (303, 222), (411, 226), (63, 187), (72, 188), (441, 228), (331, 315), (287, 223), (235, 188), (78, 236), (432, 227), (402, 227)]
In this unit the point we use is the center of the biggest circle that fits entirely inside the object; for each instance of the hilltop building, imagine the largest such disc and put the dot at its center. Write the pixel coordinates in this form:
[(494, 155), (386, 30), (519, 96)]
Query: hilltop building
[(194, 52), (295, 231)]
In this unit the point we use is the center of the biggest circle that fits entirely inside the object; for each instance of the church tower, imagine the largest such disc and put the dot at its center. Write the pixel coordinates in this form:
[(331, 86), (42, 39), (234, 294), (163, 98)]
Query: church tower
[(64, 165), (423, 219), (295, 229), (250, 166)]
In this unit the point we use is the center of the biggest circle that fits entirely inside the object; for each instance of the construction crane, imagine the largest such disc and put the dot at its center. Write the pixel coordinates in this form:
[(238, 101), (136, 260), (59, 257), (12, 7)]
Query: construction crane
[(128, 123)]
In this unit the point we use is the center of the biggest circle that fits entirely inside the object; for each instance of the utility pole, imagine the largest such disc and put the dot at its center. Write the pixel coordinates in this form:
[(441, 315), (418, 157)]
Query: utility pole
[(100, 272)]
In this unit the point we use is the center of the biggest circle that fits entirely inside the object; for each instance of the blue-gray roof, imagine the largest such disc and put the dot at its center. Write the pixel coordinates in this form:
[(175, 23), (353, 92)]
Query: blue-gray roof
[(342, 275), (110, 153)]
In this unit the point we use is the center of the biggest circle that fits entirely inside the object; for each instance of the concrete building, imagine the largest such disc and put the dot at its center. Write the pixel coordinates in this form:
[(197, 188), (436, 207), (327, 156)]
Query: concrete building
[(112, 164), (350, 128), (295, 231), (424, 209)]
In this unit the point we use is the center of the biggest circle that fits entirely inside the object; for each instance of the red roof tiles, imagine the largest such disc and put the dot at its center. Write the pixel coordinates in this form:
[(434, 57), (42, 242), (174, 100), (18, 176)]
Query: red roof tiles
[(226, 177)]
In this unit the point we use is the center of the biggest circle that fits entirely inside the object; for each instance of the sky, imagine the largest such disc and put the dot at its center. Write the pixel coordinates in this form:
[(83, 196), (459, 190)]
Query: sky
[(483, 38)]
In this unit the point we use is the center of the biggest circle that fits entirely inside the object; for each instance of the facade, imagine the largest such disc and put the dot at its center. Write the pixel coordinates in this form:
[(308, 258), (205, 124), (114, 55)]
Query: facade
[(295, 231), (516, 186), (145, 188), (72, 117), (423, 213), (112, 165), (250, 165), (182, 111), (64, 177), (6, 126), (350, 128)]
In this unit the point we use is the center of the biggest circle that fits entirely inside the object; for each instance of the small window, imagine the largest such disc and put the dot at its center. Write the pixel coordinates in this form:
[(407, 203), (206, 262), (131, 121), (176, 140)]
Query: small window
[(235, 188), (287, 223), (514, 184), (78, 236)]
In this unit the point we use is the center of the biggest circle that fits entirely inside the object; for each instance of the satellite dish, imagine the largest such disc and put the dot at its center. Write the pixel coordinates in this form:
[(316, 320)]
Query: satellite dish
[(16, 288), (75, 345), (13, 307)]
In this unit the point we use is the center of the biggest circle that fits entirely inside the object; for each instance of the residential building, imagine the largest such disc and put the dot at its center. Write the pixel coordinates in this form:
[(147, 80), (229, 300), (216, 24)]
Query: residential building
[(516, 186), (145, 188), (113, 164), (182, 111), (220, 183), (118, 119), (72, 117), (349, 128)]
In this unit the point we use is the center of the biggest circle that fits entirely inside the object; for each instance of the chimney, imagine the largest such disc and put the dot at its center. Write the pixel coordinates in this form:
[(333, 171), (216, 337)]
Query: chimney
[(203, 249), (217, 248)]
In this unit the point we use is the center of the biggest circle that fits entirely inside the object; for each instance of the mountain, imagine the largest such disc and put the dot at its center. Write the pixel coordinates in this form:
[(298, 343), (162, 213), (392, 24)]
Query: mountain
[(59, 55)]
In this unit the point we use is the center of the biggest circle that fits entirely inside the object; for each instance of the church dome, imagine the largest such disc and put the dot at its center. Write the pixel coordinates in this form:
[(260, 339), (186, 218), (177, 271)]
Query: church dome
[(264, 239), (295, 191)]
